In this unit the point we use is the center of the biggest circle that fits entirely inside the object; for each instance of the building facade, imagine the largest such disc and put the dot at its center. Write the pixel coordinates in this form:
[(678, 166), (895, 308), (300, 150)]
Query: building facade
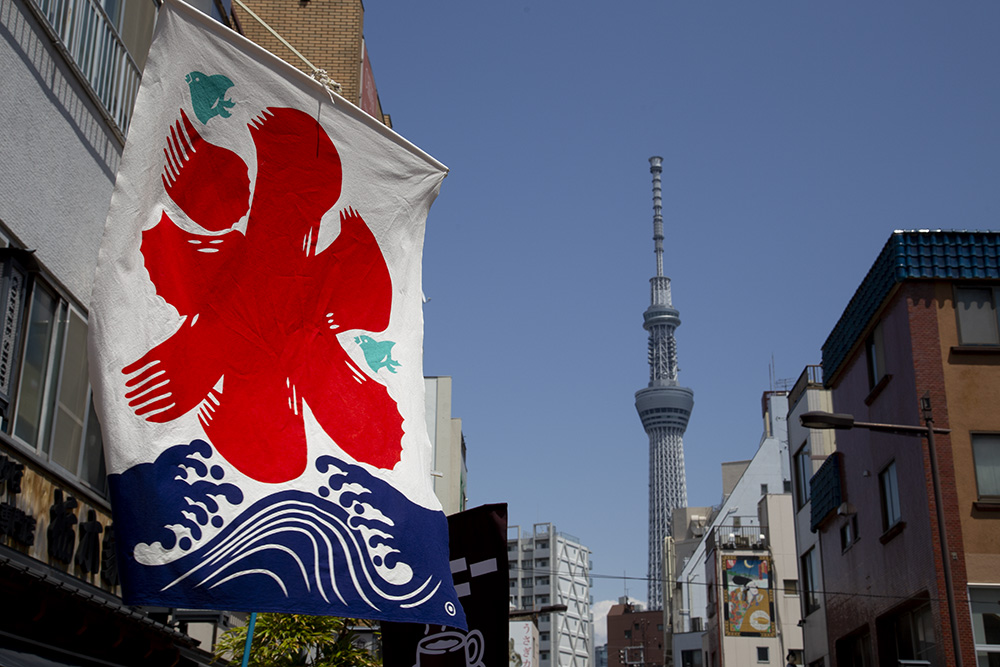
[(663, 406), (697, 621), (552, 569), (69, 72), (329, 34), (448, 467), (808, 449), (922, 326), (635, 636)]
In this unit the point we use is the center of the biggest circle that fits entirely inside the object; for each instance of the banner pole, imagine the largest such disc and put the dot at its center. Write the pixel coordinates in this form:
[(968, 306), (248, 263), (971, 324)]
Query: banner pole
[(246, 649)]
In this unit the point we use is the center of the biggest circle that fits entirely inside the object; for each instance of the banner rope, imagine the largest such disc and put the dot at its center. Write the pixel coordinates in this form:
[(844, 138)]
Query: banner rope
[(317, 73)]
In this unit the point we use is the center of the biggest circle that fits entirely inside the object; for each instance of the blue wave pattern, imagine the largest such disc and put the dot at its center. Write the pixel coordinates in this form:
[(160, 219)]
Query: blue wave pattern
[(355, 547)]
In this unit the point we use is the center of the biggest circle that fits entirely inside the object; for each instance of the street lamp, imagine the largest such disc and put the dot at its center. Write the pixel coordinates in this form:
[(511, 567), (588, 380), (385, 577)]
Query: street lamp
[(828, 420)]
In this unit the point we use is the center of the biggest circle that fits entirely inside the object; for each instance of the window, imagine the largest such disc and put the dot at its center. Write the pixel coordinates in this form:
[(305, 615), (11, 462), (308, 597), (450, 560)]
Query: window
[(763, 489), (803, 473), (855, 651), (810, 599), (976, 310), (691, 658), (628, 634), (875, 353), (763, 654), (791, 587), (914, 634), (986, 454), (889, 492), (54, 411), (849, 532), (985, 604)]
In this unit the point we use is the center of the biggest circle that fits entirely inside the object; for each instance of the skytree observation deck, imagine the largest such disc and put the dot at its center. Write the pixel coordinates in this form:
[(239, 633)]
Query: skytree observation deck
[(664, 407)]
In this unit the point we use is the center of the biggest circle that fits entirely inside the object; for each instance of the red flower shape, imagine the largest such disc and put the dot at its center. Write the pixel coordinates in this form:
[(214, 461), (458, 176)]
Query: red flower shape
[(261, 310)]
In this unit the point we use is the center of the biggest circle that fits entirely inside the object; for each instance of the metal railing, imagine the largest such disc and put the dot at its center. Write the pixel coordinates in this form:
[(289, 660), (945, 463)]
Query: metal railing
[(748, 538), (93, 47)]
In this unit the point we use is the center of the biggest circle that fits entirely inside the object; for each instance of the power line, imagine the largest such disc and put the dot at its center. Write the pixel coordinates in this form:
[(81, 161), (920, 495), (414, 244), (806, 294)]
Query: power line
[(622, 577)]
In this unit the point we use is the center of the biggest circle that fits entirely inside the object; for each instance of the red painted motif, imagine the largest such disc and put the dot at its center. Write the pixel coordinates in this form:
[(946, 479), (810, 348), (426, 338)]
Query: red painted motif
[(262, 309)]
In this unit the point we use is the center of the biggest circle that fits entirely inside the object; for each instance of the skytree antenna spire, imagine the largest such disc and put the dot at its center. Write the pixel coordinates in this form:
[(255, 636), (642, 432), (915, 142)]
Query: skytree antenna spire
[(663, 406)]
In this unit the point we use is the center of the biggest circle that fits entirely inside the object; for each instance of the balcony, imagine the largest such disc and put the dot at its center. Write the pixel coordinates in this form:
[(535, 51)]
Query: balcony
[(90, 43), (739, 538)]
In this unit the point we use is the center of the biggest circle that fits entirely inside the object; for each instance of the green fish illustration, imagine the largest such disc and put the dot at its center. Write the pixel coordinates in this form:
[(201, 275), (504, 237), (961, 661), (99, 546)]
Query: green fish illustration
[(208, 95), (378, 354)]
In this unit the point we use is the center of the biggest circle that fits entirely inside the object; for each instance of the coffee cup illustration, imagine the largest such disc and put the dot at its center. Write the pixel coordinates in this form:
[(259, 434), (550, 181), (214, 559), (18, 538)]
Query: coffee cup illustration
[(451, 649)]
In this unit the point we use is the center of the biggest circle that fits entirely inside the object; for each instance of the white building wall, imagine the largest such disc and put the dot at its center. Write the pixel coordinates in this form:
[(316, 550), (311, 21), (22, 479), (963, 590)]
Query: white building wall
[(59, 155), (821, 444), (551, 568), (769, 467), (448, 471)]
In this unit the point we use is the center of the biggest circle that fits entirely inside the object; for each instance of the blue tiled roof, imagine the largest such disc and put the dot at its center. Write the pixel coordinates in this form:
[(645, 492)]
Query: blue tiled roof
[(941, 255)]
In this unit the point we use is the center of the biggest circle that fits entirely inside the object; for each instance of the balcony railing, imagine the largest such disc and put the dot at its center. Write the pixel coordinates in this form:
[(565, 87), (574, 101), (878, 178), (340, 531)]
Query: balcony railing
[(743, 538), (92, 45)]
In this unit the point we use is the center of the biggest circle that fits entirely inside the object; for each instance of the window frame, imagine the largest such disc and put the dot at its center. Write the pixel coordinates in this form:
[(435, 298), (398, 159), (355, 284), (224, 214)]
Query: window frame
[(982, 648), (984, 497), (803, 464), (54, 382), (956, 300), (889, 521), (875, 356), (808, 593)]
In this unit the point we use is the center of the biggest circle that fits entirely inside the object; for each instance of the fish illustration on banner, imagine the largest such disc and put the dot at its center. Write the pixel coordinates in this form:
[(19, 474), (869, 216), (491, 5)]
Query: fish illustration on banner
[(256, 344)]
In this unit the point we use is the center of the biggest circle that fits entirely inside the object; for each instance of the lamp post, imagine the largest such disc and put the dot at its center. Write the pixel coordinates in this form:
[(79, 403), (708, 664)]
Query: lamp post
[(827, 420)]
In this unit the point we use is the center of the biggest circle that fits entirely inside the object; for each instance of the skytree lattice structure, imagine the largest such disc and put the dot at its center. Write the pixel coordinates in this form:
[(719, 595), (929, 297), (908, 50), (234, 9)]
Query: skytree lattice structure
[(664, 407)]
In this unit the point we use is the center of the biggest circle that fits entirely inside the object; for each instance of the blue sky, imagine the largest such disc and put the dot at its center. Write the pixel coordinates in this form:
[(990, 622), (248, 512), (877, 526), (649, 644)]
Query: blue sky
[(796, 135)]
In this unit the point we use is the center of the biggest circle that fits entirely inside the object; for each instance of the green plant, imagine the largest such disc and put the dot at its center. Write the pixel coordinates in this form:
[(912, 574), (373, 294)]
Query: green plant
[(295, 640)]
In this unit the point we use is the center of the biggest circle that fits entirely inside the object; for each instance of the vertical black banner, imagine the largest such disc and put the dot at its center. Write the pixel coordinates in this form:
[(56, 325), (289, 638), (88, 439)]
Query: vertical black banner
[(477, 541)]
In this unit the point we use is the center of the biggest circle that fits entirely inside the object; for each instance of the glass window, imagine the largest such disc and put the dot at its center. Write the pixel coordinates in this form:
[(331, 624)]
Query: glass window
[(875, 352), (691, 658), (975, 308), (763, 654), (849, 532), (54, 411), (985, 603), (914, 633), (986, 454), (890, 496), (810, 599), (803, 473), (37, 368)]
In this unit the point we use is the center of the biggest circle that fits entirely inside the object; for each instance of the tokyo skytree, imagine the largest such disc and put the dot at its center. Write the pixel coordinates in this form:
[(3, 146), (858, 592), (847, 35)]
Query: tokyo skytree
[(664, 407)]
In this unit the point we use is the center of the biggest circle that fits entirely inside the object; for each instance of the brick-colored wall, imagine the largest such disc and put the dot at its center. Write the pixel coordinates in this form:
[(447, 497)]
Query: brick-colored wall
[(327, 32), (871, 579)]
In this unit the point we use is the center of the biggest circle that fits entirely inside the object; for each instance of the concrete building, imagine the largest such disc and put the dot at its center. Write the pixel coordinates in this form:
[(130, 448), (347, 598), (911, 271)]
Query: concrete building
[(552, 569), (746, 512), (448, 467), (922, 325), (808, 449), (635, 636), (663, 406), (69, 72), (753, 613)]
